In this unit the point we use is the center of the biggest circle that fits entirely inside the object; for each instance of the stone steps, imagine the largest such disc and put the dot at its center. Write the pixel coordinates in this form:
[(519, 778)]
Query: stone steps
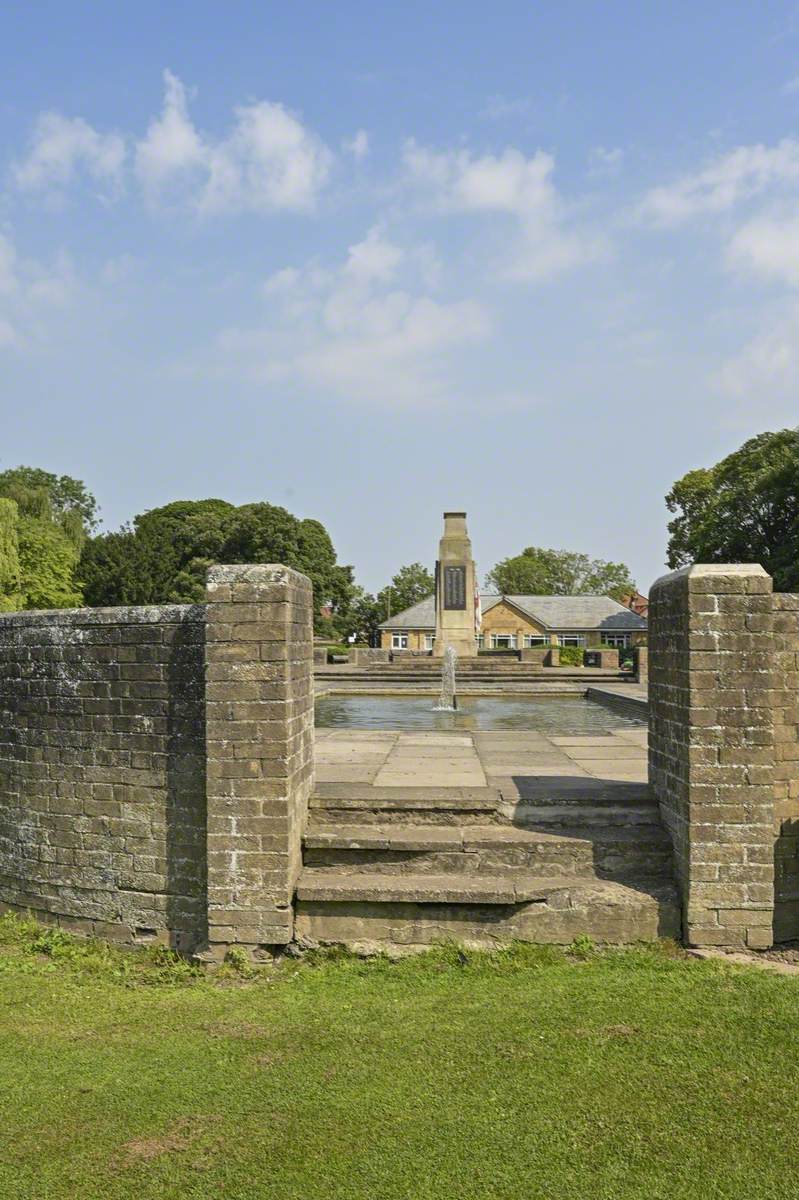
[(407, 867), (607, 851), (397, 911)]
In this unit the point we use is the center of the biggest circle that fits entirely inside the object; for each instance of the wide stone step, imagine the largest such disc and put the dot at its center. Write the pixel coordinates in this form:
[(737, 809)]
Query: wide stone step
[(609, 852), (347, 802), (564, 815), (413, 911)]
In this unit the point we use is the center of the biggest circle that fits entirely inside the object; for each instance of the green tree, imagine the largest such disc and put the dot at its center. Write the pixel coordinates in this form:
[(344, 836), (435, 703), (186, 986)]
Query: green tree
[(743, 509), (53, 515), (10, 593), (165, 556), (361, 617), (66, 501), (410, 585), (48, 561), (541, 572)]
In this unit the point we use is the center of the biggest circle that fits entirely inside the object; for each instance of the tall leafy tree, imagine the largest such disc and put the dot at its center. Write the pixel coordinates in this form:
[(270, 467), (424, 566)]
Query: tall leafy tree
[(10, 593), (361, 617), (410, 585), (542, 572), (48, 562), (38, 493), (165, 555), (54, 515), (743, 509)]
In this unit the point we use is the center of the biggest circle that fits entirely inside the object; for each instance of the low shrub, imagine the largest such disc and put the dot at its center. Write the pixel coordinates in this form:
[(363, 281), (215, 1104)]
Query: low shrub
[(571, 656)]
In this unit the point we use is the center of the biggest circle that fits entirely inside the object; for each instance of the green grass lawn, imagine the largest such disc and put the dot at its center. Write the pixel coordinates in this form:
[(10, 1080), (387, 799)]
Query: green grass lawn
[(525, 1074)]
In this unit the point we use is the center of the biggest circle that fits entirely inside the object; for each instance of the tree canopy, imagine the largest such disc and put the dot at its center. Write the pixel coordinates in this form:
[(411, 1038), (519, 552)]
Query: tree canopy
[(410, 585), (542, 572), (743, 509), (164, 556), (364, 612), (10, 593), (44, 519), (67, 502)]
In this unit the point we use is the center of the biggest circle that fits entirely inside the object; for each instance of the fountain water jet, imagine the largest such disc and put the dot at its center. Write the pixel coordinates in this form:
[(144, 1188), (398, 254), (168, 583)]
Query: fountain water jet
[(447, 701)]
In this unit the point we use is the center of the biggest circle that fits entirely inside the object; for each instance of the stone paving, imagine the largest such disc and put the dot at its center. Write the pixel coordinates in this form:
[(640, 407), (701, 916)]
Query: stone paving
[(506, 760)]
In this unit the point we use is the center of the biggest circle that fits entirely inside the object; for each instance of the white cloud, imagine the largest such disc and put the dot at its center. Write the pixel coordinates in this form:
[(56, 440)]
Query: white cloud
[(268, 162), (28, 291), (724, 182), (520, 187), (769, 247), (765, 373), (8, 267), (358, 146), (172, 145), (62, 146), (375, 258), (362, 331)]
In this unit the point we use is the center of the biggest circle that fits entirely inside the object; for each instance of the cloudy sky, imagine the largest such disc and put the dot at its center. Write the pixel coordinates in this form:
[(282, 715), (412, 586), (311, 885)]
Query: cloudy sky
[(373, 261)]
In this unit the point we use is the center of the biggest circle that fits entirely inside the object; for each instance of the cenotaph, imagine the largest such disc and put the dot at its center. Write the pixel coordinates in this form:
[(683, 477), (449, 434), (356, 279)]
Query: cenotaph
[(456, 594)]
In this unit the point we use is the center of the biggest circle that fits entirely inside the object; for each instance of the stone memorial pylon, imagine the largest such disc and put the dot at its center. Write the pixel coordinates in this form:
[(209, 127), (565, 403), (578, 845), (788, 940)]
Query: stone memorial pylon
[(455, 589)]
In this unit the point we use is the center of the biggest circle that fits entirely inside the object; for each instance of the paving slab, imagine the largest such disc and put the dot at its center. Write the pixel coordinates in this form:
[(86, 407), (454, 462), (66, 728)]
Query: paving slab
[(619, 750), (516, 761), (332, 773)]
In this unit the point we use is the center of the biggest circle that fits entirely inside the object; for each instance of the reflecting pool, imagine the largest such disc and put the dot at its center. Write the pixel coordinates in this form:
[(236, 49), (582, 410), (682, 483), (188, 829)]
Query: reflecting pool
[(546, 714)]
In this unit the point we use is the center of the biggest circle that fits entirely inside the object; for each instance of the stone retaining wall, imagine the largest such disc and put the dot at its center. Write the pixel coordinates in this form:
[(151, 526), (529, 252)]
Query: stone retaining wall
[(102, 770), (369, 654), (156, 763)]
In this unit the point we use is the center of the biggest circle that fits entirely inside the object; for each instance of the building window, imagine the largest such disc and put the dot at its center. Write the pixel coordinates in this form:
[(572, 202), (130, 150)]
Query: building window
[(503, 641), (429, 641), (571, 639), (399, 641), (620, 640), (534, 639), (480, 641)]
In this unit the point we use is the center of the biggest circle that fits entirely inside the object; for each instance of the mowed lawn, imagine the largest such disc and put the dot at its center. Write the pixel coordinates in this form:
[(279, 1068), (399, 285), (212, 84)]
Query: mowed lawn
[(530, 1073)]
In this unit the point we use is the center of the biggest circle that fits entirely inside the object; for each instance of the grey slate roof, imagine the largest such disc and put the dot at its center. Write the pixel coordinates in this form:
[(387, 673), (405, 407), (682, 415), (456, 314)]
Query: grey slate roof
[(553, 612), (579, 612)]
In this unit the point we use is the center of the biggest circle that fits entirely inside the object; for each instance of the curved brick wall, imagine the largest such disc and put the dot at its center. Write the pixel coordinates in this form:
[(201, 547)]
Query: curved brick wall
[(102, 770)]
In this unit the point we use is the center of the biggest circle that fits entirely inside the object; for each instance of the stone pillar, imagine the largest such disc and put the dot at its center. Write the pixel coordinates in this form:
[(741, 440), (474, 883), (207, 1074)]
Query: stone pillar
[(786, 768), (711, 746), (641, 659), (455, 587), (259, 735)]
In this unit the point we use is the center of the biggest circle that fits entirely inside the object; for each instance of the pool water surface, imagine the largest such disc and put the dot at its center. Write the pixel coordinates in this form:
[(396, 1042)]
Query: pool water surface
[(558, 715)]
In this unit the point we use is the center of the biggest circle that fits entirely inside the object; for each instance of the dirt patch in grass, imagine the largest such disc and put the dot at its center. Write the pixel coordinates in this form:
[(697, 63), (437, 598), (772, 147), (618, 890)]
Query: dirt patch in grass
[(181, 1137)]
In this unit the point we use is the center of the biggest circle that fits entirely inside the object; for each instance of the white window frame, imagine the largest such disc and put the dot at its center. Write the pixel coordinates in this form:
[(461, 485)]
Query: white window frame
[(480, 639), (535, 639), (399, 641), (618, 641), (511, 641), (429, 641), (571, 639)]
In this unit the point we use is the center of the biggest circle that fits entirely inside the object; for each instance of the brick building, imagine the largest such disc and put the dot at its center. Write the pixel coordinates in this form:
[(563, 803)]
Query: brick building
[(519, 622)]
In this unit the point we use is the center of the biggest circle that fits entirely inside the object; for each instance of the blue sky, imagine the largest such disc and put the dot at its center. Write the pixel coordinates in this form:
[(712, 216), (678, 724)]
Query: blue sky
[(375, 261)]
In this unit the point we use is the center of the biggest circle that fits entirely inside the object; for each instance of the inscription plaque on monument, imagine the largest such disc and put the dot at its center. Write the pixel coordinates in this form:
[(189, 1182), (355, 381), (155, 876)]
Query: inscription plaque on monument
[(455, 587)]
